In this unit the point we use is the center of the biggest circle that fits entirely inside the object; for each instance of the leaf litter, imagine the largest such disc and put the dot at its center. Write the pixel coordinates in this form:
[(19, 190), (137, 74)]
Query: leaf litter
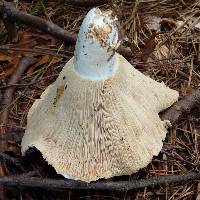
[(164, 39)]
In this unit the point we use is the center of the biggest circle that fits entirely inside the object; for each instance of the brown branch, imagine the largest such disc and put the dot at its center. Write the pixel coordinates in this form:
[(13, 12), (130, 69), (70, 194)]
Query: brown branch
[(87, 3), (12, 13), (179, 158), (9, 23), (182, 107), (47, 27), (100, 185), (8, 95)]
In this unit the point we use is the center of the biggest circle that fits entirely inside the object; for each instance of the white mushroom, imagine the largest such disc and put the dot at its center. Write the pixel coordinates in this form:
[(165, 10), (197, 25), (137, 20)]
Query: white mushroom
[(100, 118)]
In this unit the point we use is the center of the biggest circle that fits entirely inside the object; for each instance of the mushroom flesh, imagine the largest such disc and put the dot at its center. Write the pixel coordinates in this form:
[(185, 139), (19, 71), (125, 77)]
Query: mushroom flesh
[(99, 119)]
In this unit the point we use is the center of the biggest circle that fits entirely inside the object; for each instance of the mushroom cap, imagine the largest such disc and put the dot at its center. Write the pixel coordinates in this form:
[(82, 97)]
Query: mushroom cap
[(91, 129)]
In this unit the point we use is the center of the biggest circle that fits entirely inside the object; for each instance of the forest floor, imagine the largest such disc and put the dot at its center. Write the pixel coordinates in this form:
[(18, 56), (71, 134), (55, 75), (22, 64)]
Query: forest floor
[(164, 40)]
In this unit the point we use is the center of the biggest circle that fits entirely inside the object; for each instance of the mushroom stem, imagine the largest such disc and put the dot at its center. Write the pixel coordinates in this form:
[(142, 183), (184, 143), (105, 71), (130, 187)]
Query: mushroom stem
[(96, 45)]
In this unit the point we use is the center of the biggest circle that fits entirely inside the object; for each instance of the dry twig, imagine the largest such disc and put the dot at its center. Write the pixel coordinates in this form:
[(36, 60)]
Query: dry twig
[(86, 3), (9, 23), (182, 107), (47, 27), (8, 95), (34, 51), (12, 13), (101, 185)]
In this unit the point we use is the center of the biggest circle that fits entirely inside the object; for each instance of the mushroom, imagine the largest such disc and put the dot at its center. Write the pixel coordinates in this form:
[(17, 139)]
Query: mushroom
[(99, 119)]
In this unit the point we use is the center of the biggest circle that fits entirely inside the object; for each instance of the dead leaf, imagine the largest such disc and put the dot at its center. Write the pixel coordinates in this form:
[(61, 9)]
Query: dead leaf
[(148, 48), (5, 57), (45, 59), (11, 65), (32, 39), (27, 40)]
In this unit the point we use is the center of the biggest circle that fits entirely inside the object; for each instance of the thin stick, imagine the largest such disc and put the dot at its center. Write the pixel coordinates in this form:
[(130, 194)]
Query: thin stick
[(182, 107), (87, 3), (40, 52), (101, 185), (46, 26), (8, 95), (12, 13), (9, 23)]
